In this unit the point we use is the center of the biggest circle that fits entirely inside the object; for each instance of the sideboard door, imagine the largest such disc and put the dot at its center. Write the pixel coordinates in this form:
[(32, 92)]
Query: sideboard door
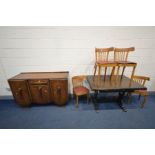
[(40, 94), (59, 91), (20, 92)]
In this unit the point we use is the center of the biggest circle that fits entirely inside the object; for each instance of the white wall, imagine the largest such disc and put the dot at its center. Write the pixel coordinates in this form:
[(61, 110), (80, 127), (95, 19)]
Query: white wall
[(70, 48)]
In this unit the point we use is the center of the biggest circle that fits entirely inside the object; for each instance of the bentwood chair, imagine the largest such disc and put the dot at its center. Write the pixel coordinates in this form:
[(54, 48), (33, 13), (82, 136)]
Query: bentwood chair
[(102, 57), (121, 57), (141, 80), (78, 88)]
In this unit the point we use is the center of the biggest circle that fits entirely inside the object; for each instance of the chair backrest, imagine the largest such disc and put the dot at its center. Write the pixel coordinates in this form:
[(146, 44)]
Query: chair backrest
[(102, 54), (141, 79), (121, 54), (78, 80)]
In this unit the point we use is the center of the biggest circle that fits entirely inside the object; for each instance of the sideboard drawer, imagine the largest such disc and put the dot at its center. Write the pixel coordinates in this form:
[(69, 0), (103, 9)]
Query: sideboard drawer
[(42, 81)]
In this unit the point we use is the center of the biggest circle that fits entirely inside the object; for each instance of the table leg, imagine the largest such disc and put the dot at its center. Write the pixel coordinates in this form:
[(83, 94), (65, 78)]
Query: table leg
[(120, 102), (95, 101)]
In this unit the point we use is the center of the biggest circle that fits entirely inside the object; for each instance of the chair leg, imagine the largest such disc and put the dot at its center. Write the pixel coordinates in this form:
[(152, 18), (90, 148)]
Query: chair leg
[(117, 73), (112, 74), (95, 67), (88, 98), (129, 97), (72, 97), (133, 72), (105, 72), (143, 104), (139, 96), (99, 72), (123, 72), (77, 101)]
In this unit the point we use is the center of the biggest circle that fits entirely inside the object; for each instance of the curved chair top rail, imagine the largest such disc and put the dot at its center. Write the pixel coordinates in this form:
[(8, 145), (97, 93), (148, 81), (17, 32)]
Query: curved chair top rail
[(104, 49), (103, 53), (124, 49)]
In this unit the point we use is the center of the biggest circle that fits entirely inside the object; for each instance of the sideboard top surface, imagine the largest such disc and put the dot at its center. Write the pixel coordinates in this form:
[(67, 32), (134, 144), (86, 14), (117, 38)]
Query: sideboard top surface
[(40, 75)]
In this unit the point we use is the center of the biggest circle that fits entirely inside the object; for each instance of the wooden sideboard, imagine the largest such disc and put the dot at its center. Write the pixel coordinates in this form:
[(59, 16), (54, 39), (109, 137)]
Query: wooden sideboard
[(40, 88)]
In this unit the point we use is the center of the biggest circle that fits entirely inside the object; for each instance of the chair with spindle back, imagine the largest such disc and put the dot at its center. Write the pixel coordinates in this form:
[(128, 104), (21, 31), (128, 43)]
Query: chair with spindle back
[(121, 54), (107, 65), (102, 57), (121, 57), (78, 88), (141, 80)]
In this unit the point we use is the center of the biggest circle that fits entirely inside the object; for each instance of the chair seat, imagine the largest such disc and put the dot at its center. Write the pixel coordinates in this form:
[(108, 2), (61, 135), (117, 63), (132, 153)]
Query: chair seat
[(125, 62), (80, 90), (114, 62)]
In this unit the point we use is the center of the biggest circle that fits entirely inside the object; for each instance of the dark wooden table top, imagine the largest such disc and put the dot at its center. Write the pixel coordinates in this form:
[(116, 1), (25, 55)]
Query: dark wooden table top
[(124, 84)]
